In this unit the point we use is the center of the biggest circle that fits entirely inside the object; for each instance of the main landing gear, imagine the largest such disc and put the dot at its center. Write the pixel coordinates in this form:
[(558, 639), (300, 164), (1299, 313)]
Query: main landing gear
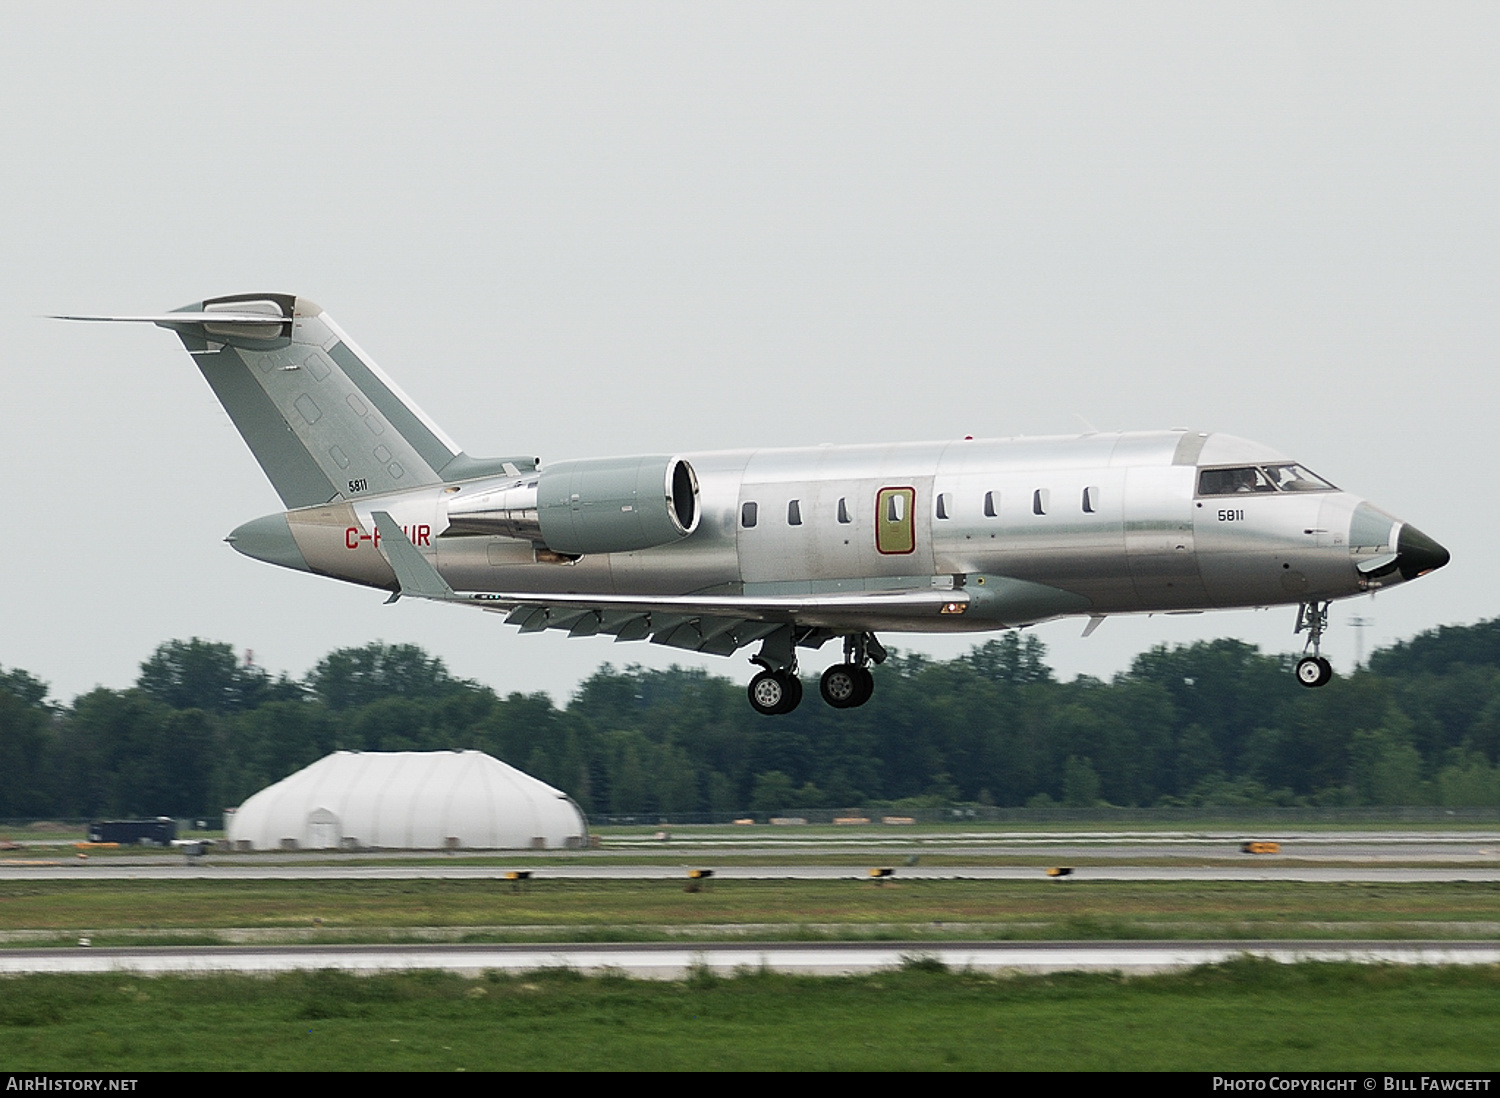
[(777, 689), (1313, 669), (849, 684), (845, 685), (773, 692)]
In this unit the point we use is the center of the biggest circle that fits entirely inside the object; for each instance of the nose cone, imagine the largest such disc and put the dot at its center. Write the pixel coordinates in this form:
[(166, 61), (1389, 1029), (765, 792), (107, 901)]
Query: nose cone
[(1417, 554), (269, 539)]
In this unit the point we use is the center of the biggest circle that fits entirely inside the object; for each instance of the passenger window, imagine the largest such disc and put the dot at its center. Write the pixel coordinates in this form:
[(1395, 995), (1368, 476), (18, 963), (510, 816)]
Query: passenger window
[(794, 513), (844, 511), (1040, 499), (895, 507), (1091, 501), (945, 505), (748, 514), (991, 504)]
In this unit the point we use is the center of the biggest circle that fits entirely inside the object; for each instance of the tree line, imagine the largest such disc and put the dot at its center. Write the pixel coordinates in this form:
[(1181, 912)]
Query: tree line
[(1209, 724)]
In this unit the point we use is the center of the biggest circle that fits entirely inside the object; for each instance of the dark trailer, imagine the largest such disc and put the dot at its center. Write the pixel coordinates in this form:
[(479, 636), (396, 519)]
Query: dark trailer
[(158, 832)]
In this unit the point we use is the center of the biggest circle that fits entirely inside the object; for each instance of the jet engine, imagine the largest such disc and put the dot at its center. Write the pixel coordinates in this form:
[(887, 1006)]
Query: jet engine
[(600, 505)]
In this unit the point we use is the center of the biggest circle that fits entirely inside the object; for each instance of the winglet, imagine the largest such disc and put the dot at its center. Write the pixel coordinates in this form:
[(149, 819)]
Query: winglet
[(414, 574)]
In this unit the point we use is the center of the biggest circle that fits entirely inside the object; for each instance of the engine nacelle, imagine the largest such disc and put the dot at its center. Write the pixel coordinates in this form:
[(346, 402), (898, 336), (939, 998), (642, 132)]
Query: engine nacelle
[(598, 505)]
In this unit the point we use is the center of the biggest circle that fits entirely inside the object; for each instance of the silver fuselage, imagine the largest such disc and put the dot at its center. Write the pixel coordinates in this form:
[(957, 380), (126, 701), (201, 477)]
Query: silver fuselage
[(1113, 523), (789, 548)]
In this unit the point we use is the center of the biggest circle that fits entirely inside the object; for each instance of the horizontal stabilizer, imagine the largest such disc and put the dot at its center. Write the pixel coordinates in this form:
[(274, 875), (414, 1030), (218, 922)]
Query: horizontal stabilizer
[(169, 319)]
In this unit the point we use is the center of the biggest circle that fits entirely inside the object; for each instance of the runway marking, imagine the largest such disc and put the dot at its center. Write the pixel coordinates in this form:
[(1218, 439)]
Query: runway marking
[(654, 961)]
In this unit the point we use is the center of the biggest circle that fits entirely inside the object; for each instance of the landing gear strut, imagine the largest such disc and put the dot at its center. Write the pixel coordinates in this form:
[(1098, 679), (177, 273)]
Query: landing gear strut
[(1313, 669), (850, 684)]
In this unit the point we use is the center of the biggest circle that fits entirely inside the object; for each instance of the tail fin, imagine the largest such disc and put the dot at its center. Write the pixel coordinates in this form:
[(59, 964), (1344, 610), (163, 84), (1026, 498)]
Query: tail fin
[(321, 418)]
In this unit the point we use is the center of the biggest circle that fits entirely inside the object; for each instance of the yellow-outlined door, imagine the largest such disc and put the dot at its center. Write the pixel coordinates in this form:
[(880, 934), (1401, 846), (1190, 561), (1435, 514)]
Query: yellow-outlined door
[(895, 530)]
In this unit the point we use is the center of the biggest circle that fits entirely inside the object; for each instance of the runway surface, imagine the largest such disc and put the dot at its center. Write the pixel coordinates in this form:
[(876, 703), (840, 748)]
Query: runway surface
[(670, 961), (239, 871), (1371, 856), (1364, 844), (779, 842)]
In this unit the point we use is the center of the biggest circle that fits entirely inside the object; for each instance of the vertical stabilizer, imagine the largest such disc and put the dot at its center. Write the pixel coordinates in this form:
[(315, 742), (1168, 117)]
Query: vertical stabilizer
[(321, 418)]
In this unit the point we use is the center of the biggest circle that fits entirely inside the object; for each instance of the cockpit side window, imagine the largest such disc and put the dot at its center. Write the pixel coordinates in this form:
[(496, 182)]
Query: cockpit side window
[(1229, 482), (1285, 477)]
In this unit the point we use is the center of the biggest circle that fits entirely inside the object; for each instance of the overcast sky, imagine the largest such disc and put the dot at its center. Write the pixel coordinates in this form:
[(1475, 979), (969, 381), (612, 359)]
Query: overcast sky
[(590, 229)]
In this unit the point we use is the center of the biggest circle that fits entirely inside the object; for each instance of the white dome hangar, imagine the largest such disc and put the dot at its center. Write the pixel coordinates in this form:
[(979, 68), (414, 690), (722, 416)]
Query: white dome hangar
[(408, 800)]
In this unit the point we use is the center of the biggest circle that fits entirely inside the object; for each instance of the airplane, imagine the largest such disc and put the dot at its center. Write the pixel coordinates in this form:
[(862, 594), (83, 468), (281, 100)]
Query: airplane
[(784, 548)]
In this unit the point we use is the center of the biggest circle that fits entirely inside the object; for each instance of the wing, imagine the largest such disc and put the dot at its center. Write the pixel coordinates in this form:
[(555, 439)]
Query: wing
[(720, 624)]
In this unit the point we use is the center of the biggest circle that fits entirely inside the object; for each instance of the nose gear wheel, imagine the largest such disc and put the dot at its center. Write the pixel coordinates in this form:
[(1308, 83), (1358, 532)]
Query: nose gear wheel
[(1313, 670)]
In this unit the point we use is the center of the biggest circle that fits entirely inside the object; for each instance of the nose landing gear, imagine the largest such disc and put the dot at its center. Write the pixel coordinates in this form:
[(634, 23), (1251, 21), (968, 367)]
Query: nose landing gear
[(1313, 670)]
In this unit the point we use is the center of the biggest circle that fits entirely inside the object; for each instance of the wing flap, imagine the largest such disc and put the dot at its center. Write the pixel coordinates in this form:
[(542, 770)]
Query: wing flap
[(634, 628), (696, 633), (777, 609)]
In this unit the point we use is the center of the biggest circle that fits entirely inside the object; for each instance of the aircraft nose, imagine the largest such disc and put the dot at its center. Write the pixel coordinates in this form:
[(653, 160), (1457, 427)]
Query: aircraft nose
[(1417, 554)]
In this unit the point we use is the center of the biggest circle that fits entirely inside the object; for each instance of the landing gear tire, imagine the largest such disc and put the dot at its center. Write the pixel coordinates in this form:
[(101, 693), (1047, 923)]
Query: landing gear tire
[(1314, 671), (866, 686), (773, 692), (840, 685), (846, 685)]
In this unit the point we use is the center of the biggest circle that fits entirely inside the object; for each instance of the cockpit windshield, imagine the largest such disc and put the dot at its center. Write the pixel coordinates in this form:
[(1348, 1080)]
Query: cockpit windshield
[(1286, 477), (1296, 478)]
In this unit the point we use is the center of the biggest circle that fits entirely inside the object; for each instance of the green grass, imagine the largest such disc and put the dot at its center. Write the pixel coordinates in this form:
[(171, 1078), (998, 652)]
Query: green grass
[(56, 912), (1245, 1015)]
